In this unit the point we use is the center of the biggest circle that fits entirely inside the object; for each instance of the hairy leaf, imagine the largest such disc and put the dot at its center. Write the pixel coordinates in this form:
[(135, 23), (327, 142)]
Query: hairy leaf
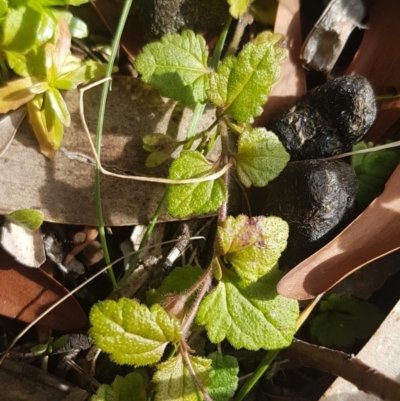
[(131, 333), (122, 389), (224, 376), (241, 85), (252, 245), (343, 319), (28, 218), (202, 197), (174, 382), (373, 170), (249, 315), (177, 65), (260, 158)]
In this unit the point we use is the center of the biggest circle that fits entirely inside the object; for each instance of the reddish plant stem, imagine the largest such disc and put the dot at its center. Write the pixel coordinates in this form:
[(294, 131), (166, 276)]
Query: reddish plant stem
[(185, 355), (223, 130), (346, 366), (203, 285)]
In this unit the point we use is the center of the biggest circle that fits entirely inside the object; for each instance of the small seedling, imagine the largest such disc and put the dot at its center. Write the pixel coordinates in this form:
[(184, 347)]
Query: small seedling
[(51, 345), (343, 319), (243, 307)]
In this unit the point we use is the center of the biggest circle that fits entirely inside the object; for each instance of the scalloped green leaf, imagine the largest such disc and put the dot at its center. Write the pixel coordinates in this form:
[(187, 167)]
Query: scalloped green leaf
[(132, 333), (122, 389), (260, 157), (252, 245), (202, 197), (174, 382), (343, 319), (29, 218), (224, 376), (177, 65), (249, 315), (241, 85), (238, 7)]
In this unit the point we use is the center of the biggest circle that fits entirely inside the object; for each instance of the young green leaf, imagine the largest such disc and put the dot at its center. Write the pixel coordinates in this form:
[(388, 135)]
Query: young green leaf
[(249, 315), (202, 197), (77, 27), (241, 85), (16, 93), (174, 382), (29, 218), (132, 333), (373, 170), (39, 349), (25, 27), (179, 280), (177, 65), (161, 147), (48, 133), (55, 71), (260, 157), (238, 7), (343, 319), (128, 388), (252, 245), (3, 9), (224, 376)]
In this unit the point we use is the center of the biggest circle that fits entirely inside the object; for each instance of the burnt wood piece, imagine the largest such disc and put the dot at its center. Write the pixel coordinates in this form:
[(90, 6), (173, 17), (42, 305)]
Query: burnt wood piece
[(317, 199), (327, 120), (159, 17)]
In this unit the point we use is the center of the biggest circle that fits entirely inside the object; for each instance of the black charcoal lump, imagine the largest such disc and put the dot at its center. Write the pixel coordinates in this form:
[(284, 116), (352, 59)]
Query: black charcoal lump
[(159, 17), (317, 199), (327, 120)]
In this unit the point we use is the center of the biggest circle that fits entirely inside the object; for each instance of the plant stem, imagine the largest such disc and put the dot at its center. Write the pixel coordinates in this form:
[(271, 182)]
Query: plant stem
[(199, 108), (204, 284), (99, 132), (344, 365), (257, 374), (384, 98), (220, 45), (143, 242), (223, 131), (244, 20), (185, 355)]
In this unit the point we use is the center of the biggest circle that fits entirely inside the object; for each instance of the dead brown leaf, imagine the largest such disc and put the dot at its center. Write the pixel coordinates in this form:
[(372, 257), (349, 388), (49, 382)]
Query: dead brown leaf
[(26, 293)]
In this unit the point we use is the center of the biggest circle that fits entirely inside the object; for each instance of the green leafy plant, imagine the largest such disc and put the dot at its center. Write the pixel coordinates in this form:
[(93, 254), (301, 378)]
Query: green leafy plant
[(343, 319), (373, 170), (50, 346), (243, 306), (35, 41), (28, 24)]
